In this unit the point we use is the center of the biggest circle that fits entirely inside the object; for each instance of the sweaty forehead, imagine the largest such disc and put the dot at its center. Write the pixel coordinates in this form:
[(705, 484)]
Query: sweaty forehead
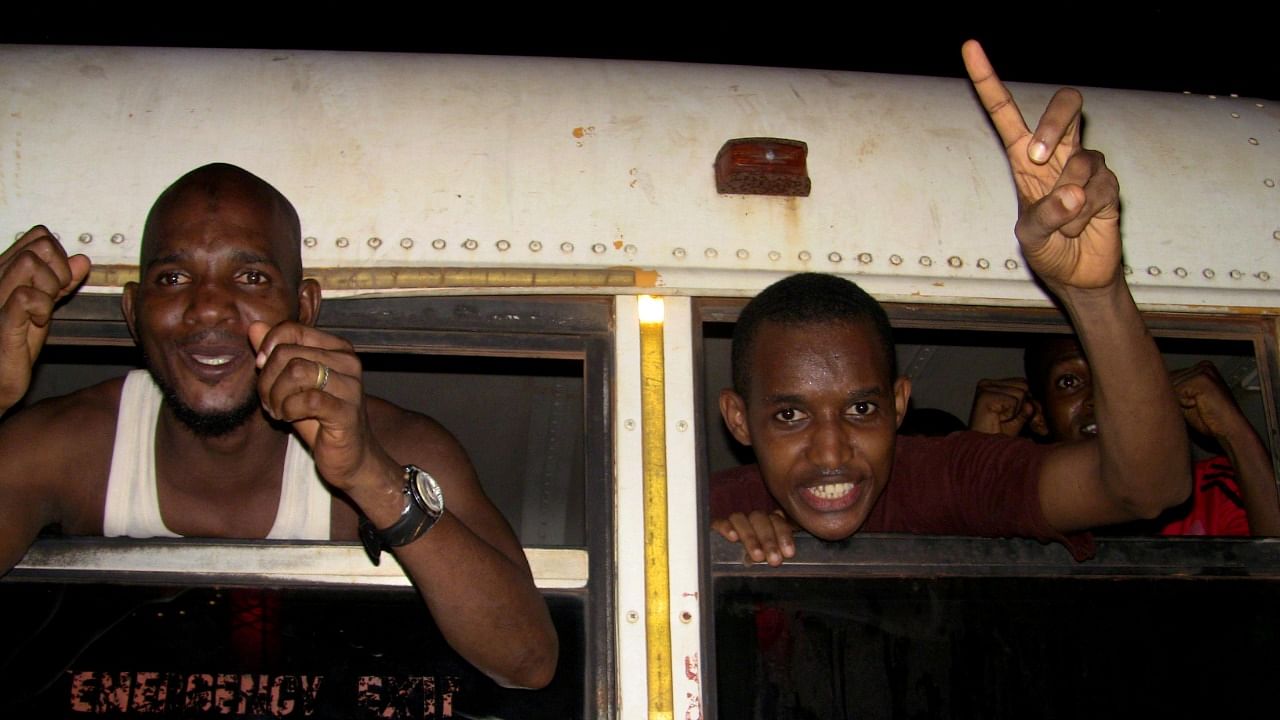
[(186, 213), (818, 357)]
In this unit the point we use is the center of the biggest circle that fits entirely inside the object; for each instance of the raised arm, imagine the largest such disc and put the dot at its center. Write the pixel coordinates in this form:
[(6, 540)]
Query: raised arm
[(1068, 228), (468, 567), (1210, 409), (35, 273)]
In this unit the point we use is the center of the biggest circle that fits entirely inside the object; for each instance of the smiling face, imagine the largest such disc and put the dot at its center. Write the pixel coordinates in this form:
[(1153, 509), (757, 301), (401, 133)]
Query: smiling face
[(821, 414), (1066, 392), (219, 252)]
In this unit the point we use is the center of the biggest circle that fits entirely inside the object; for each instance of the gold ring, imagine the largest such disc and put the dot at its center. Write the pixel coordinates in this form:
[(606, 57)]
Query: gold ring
[(322, 376)]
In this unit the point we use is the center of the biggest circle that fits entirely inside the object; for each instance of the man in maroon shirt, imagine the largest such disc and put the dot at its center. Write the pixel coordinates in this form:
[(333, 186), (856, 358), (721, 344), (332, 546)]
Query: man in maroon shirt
[(817, 396)]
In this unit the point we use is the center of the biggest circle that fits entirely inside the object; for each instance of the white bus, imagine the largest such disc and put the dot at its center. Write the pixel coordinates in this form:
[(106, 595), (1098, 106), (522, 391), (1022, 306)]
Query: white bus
[(492, 234)]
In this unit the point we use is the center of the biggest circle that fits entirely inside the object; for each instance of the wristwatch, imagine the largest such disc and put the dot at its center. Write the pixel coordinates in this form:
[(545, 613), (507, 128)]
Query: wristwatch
[(423, 506)]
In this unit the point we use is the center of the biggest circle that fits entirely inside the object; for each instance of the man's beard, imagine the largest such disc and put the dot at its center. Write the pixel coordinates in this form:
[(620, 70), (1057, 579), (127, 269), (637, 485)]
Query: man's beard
[(206, 424)]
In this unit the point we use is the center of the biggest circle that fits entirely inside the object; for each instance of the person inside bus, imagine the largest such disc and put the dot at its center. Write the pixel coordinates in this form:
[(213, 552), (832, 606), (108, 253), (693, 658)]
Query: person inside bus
[(1233, 493), (248, 422), (817, 397)]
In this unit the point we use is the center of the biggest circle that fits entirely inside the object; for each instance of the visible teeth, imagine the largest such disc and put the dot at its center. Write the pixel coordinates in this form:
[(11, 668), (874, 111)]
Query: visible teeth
[(832, 491), (219, 360), (1090, 429)]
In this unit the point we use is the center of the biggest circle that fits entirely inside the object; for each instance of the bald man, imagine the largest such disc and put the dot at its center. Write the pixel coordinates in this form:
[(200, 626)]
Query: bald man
[(250, 423)]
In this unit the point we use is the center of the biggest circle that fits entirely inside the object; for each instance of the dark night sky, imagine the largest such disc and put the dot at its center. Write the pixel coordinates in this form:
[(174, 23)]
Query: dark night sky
[(1220, 48)]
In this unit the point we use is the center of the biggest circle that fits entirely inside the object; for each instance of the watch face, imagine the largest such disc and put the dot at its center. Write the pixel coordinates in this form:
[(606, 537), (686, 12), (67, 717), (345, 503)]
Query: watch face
[(429, 491)]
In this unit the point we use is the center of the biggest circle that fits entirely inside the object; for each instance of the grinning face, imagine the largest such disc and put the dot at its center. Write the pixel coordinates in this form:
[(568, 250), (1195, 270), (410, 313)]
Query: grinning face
[(1068, 393), (210, 267), (821, 416)]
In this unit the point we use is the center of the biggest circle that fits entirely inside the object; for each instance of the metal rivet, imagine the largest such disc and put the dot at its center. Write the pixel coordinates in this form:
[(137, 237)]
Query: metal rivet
[(1213, 97), (926, 261), (309, 242), (503, 245), (598, 248), (470, 244), (804, 256), (895, 259), (983, 263), (834, 257), (375, 243), (1180, 272), (629, 424), (1269, 182), (1263, 276), (742, 254), (1257, 105), (955, 261), (1209, 273), (566, 247), (630, 249), (1253, 141), (1153, 271), (1186, 92), (633, 616), (678, 253), (710, 253), (342, 242), (86, 238), (439, 244), (1010, 264), (1235, 115), (1235, 95), (406, 243), (535, 246), (682, 426), (864, 258), (774, 255), (686, 617), (117, 239), (1236, 274)]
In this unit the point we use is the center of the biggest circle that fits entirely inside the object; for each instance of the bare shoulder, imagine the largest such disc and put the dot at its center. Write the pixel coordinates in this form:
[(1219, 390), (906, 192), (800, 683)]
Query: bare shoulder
[(60, 448), (73, 423)]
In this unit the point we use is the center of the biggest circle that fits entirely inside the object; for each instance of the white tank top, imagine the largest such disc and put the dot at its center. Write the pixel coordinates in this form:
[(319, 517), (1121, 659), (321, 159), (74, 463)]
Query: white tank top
[(133, 506)]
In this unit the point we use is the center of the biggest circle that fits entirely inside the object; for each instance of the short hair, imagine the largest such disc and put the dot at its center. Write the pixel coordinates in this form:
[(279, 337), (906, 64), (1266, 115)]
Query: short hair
[(212, 182), (807, 298)]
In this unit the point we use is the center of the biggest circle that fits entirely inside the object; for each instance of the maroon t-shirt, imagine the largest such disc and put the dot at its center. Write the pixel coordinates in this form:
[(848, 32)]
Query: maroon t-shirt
[(966, 483)]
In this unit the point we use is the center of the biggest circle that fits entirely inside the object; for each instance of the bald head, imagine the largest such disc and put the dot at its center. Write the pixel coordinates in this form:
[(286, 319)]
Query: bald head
[(222, 189)]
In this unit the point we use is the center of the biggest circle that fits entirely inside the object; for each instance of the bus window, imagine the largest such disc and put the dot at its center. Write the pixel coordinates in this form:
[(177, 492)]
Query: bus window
[(258, 628), (902, 625)]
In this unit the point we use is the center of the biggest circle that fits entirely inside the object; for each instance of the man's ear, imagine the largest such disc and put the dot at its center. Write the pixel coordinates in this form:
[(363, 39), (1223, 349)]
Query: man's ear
[(1037, 422), (901, 398), (126, 307), (308, 302), (734, 411)]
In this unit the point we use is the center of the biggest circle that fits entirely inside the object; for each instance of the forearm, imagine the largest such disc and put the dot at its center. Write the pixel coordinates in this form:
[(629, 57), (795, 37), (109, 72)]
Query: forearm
[(1256, 480), (485, 604), (483, 600), (1142, 441)]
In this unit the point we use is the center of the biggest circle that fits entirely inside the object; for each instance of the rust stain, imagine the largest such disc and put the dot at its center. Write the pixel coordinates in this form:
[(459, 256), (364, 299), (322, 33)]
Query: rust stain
[(579, 132), (617, 244), (691, 667), (646, 278), (939, 284)]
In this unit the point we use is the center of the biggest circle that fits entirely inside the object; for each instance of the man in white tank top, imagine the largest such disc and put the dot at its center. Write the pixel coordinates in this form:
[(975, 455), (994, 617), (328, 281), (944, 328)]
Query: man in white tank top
[(243, 408)]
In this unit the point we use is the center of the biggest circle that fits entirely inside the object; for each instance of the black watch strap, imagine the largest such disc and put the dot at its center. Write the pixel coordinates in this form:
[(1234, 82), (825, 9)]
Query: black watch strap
[(424, 504)]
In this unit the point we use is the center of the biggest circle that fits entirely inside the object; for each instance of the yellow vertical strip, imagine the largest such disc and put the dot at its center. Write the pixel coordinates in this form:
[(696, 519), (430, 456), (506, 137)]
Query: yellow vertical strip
[(657, 581)]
